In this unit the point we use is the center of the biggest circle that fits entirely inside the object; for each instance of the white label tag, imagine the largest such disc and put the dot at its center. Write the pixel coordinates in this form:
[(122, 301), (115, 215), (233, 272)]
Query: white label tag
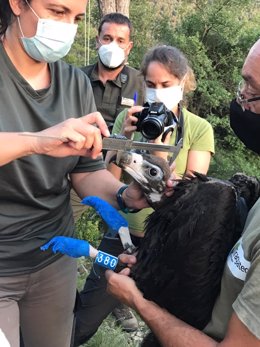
[(127, 102), (237, 263), (3, 340)]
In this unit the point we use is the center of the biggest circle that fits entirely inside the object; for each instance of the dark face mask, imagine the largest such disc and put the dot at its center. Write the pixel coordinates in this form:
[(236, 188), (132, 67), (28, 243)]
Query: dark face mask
[(246, 125)]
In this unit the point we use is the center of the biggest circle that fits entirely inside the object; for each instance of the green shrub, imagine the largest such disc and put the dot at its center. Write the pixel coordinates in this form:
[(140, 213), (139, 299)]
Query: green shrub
[(90, 227), (231, 154)]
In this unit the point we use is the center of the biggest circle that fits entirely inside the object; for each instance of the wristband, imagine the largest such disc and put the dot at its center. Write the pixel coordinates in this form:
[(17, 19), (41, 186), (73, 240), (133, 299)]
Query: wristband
[(121, 202)]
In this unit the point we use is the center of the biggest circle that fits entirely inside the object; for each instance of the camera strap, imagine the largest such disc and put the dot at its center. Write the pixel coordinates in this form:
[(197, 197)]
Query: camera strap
[(180, 127), (179, 137)]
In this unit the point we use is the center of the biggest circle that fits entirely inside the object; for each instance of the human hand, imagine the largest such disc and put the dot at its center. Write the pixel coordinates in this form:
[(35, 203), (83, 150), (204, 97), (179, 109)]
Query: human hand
[(128, 259), (107, 212), (163, 139), (134, 196), (72, 247), (122, 286), (82, 137), (128, 126), (171, 182)]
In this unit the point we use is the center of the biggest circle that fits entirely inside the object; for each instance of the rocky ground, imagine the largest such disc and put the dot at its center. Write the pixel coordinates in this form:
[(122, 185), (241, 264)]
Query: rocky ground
[(134, 339), (137, 336)]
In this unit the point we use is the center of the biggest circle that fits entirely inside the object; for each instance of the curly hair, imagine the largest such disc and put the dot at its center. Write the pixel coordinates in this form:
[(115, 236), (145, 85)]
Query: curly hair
[(174, 62)]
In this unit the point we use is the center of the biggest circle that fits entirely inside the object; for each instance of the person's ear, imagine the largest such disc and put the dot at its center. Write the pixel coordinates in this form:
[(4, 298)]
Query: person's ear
[(16, 6), (97, 42), (130, 46)]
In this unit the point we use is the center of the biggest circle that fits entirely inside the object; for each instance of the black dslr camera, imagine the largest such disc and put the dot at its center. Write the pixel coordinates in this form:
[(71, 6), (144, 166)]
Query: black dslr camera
[(154, 120)]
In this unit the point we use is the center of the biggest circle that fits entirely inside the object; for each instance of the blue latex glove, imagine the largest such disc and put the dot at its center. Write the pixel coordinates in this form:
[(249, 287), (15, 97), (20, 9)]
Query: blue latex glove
[(107, 212), (67, 245)]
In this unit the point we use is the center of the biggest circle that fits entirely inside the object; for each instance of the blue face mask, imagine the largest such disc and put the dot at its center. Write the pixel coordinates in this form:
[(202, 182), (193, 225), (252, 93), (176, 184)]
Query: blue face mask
[(52, 41)]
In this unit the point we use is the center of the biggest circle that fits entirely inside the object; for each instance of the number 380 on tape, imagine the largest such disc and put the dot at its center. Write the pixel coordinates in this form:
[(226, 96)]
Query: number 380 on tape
[(106, 260)]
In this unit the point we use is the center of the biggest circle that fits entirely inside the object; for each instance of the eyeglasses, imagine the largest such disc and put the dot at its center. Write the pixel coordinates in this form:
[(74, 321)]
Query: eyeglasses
[(242, 86)]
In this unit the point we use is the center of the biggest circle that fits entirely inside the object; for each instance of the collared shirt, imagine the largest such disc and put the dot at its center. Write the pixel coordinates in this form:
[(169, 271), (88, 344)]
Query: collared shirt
[(115, 95)]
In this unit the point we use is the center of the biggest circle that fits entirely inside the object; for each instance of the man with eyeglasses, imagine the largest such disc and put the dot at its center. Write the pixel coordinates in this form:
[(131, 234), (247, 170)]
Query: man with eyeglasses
[(246, 95), (235, 320), (245, 110), (116, 86)]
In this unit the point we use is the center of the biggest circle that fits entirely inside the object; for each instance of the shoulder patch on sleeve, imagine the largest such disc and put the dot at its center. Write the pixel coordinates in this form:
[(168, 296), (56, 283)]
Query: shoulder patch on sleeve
[(237, 263)]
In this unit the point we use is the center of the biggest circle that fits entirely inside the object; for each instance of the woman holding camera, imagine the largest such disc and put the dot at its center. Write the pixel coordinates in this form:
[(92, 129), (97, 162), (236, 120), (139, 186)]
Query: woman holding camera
[(168, 77)]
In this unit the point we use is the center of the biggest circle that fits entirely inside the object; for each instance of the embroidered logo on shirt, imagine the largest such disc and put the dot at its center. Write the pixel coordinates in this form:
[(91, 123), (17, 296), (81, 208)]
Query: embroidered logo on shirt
[(123, 78), (237, 263)]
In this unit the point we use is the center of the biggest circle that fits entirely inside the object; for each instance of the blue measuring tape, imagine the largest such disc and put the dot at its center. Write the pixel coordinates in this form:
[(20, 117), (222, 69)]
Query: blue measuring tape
[(106, 260)]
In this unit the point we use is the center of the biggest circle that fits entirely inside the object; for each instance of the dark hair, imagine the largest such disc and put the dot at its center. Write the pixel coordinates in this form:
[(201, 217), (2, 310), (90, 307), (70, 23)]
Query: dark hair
[(174, 62), (6, 15), (117, 18)]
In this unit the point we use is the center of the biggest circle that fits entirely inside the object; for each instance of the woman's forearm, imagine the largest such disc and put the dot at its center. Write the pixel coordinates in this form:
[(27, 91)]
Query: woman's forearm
[(14, 146)]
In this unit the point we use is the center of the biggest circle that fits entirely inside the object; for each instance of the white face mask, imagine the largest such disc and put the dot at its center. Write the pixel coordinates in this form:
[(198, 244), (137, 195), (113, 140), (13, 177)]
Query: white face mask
[(111, 55), (52, 41), (170, 96)]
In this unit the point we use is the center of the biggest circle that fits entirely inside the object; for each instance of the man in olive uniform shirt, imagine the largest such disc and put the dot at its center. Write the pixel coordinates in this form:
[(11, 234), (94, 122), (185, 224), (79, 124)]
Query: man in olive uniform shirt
[(115, 85)]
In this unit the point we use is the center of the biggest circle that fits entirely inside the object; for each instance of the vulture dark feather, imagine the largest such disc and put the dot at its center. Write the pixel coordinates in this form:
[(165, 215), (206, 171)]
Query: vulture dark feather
[(188, 236)]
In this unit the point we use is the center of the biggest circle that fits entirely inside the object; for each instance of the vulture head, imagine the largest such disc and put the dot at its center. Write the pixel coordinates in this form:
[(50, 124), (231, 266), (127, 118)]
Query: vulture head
[(149, 171), (188, 237)]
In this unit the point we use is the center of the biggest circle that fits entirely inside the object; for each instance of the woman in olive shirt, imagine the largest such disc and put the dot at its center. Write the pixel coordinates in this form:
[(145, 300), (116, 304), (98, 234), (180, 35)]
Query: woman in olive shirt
[(168, 78)]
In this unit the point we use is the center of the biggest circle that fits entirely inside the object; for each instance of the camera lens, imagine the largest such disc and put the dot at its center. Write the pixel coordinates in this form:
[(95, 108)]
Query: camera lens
[(151, 128)]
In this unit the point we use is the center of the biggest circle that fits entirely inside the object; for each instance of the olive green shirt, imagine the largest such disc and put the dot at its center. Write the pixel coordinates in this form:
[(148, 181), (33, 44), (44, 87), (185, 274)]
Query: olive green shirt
[(114, 96), (240, 286), (35, 189)]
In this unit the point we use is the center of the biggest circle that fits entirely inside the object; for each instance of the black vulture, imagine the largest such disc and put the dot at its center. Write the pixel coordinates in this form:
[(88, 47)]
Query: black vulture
[(188, 236)]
